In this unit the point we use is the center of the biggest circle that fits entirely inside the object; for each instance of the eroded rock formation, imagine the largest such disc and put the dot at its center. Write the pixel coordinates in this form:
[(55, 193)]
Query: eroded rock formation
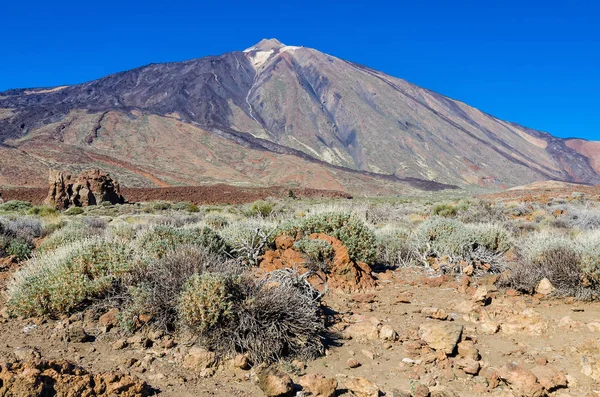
[(88, 188)]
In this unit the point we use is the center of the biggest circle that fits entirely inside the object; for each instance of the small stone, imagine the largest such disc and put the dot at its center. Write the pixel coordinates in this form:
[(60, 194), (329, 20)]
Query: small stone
[(441, 336), (199, 359), (364, 330), (481, 295), (549, 377), (469, 365), (275, 383), (353, 363), (119, 344), (109, 319), (26, 353), (242, 361), (388, 333), (318, 385), (78, 334), (467, 349), (362, 387), (434, 312), (368, 354), (544, 287), (521, 379), (421, 391)]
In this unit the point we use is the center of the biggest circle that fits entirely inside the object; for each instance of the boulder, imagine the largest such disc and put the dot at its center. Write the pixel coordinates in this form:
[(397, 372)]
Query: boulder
[(318, 385), (362, 387), (88, 188), (441, 336), (275, 383)]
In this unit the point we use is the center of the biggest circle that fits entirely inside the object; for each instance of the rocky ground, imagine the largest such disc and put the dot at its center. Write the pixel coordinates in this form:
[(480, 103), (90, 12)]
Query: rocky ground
[(416, 333)]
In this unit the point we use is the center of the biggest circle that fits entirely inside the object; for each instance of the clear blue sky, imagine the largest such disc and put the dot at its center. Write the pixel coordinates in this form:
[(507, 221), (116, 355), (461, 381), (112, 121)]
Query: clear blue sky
[(533, 62)]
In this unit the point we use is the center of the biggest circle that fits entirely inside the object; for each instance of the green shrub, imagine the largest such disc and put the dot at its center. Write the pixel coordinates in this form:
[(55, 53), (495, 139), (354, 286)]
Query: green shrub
[(216, 221), (185, 206), (315, 250), (206, 301), (159, 240), (260, 207), (318, 253), (444, 210), (74, 211), (451, 237), (15, 206), (65, 280), (157, 283), (42, 210), (20, 248), (346, 227)]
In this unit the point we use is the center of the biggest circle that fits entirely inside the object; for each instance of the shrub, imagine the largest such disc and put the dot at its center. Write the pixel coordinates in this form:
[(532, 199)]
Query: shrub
[(279, 316), (444, 210), (589, 249), (185, 206), (570, 265), (397, 248), (206, 301), (62, 281), (158, 282), (216, 221), (474, 243), (42, 210), (349, 229), (74, 211), (260, 207), (247, 238), (158, 240), (72, 232), (20, 248), (481, 211), (318, 253), (15, 206)]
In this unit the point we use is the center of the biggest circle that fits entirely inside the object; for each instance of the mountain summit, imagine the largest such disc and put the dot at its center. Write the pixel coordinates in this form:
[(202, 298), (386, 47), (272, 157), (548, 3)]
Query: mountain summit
[(275, 114)]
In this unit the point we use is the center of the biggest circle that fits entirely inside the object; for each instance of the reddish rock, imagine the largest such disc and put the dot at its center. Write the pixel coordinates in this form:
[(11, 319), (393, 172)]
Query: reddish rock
[(61, 378), (318, 385), (344, 274), (521, 379), (88, 188)]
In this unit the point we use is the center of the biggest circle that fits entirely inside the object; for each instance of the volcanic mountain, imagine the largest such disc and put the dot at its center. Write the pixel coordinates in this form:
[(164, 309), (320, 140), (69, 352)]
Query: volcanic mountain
[(275, 115)]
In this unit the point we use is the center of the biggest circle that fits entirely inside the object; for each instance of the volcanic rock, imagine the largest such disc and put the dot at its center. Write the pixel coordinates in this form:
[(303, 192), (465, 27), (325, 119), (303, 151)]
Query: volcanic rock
[(88, 188)]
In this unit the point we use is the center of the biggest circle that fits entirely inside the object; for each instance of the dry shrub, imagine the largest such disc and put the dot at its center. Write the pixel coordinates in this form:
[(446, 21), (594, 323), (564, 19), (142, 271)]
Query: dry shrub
[(277, 317), (559, 259), (158, 282)]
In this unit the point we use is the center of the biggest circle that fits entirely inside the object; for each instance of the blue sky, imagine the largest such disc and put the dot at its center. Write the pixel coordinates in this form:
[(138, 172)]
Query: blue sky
[(533, 62)]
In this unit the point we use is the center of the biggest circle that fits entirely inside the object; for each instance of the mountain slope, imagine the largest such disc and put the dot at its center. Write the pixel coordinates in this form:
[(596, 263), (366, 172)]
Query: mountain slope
[(283, 102)]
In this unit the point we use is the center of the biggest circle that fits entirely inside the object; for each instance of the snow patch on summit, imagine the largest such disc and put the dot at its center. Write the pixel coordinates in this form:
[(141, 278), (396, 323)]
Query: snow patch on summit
[(258, 58)]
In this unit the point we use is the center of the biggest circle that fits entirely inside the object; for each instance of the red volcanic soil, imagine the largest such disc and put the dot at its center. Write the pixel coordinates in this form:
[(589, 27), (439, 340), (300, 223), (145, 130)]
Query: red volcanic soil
[(213, 194)]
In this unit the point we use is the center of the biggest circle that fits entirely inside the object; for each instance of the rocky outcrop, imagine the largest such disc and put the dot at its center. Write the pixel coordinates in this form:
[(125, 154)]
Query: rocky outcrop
[(61, 378), (343, 273), (88, 188)]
